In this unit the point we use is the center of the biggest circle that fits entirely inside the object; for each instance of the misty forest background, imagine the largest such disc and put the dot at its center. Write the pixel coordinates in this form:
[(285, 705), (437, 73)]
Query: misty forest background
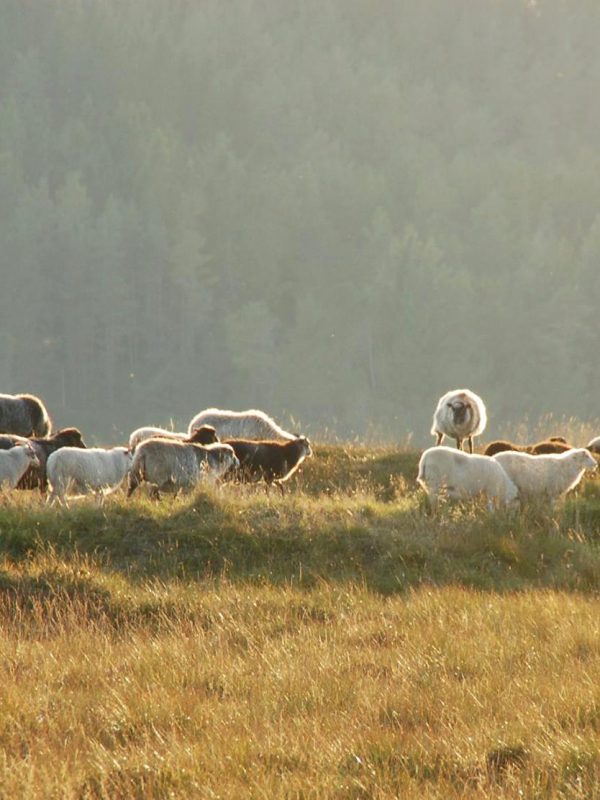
[(332, 210)]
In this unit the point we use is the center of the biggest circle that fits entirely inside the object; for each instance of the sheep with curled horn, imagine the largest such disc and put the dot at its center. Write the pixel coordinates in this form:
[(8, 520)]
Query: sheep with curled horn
[(460, 414), (24, 415)]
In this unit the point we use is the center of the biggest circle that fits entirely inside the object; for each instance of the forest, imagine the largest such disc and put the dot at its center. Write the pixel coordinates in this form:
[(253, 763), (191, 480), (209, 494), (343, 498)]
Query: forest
[(335, 211)]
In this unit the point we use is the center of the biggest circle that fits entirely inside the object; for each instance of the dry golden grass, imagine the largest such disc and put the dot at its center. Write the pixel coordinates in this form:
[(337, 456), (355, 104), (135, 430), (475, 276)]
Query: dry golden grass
[(231, 691), (334, 643)]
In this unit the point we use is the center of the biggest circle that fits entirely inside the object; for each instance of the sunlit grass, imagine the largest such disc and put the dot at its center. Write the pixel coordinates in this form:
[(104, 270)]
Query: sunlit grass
[(335, 642)]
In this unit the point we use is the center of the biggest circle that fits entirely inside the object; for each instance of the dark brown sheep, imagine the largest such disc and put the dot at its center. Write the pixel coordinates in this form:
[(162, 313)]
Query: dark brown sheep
[(272, 462), (205, 434), (500, 445), (554, 444), (36, 476)]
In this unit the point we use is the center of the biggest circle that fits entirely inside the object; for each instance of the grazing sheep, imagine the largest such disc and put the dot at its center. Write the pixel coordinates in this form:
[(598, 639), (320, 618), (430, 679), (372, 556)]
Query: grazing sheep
[(24, 415), (205, 434), (273, 462), (251, 424), (460, 414), (594, 445), (555, 444), (464, 476), (548, 476), (14, 463), (73, 471), (171, 465)]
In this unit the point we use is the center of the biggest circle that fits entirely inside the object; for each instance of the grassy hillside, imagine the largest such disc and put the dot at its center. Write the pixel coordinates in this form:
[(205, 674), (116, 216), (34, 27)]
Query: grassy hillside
[(335, 642)]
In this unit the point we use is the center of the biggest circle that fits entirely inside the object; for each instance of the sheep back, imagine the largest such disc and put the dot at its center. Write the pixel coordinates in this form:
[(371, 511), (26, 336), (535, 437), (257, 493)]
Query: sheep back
[(24, 415), (251, 424)]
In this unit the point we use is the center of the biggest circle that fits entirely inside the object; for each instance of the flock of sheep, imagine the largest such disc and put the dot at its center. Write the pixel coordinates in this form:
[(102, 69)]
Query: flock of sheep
[(250, 446), (506, 474), (244, 446)]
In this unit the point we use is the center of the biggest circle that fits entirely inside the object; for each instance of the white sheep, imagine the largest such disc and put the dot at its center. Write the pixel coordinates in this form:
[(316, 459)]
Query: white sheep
[(73, 471), (464, 476), (170, 465), (460, 414), (251, 424), (548, 476), (15, 462)]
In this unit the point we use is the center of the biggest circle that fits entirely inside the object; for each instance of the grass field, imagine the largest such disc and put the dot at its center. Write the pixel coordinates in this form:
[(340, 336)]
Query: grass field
[(334, 643)]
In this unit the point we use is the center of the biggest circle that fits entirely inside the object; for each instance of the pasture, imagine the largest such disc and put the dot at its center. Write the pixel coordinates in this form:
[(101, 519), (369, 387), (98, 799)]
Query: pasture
[(336, 642)]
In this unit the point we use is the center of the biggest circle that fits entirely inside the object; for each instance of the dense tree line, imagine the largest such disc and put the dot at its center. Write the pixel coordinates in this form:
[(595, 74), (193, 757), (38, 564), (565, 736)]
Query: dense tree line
[(332, 210)]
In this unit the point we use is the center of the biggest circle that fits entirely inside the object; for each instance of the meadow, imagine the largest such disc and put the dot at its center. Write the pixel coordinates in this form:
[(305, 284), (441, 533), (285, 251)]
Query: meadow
[(337, 642)]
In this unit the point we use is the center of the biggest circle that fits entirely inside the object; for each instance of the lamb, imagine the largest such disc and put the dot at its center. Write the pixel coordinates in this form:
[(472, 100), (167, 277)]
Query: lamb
[(24, 415), (460, 414), (464, 476), (14, 463), (172, 465), (205, 434), (545, 477), (555, 444), (73, 471), (251, 424), (273, 462)]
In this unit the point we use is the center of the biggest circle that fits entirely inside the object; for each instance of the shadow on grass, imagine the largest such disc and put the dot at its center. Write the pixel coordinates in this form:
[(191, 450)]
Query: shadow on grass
[(295, 540)]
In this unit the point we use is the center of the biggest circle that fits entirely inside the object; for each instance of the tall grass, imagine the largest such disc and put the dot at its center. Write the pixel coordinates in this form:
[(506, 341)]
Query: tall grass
[(334, 643)]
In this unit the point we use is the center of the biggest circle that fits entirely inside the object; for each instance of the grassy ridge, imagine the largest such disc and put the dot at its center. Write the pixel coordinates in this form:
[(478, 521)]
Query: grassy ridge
[(336, 642), (354, 515)]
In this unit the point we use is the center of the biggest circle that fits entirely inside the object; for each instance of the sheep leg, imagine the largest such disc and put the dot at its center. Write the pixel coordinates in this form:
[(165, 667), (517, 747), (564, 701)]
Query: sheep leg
[(459, 444), (470, 442), (440, 439), (132, 484)]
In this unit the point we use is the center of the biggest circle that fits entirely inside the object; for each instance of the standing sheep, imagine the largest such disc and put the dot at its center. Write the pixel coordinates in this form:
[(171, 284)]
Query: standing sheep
[(24, 415), (548, 476), (251, 424), (171, 465), (72, 471), (464, 476), (14, 463), (460, 414)]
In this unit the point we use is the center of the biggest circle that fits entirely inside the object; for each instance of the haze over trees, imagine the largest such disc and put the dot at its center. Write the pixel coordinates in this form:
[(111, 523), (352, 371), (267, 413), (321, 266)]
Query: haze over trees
[(334, 211)]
